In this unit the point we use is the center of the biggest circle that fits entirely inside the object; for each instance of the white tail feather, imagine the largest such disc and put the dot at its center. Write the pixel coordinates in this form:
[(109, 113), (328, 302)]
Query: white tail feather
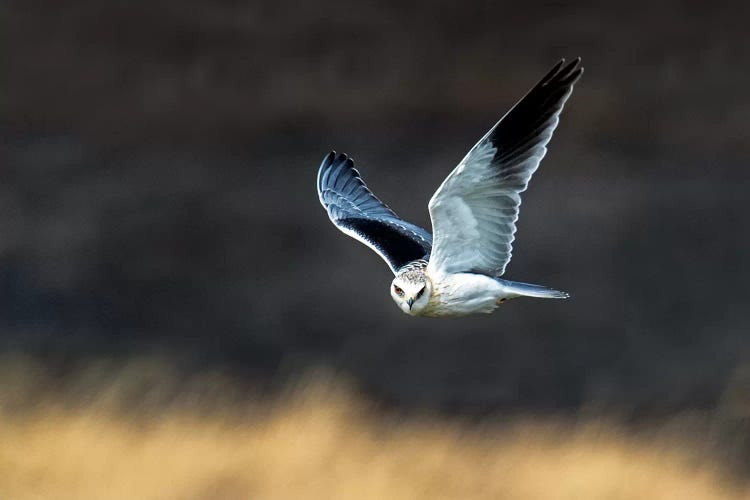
[(516, 289)]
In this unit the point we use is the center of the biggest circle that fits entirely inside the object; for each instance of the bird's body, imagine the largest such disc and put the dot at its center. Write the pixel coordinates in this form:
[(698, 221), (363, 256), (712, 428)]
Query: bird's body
[(456, 271), (462, 294)]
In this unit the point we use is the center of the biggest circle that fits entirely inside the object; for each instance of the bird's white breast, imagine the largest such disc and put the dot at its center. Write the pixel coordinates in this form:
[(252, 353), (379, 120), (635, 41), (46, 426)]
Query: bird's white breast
[(462, 294)]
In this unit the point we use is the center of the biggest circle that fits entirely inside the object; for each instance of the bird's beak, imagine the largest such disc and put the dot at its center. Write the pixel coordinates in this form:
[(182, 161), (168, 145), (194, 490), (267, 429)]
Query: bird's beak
[(410, 302)]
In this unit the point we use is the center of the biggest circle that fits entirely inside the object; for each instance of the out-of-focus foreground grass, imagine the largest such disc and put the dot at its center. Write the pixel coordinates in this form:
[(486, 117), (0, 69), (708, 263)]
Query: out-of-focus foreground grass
[(139, 430)]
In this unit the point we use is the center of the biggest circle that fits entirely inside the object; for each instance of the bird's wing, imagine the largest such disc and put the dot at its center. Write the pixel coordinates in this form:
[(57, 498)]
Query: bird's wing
[(475, 209), (357, 212)]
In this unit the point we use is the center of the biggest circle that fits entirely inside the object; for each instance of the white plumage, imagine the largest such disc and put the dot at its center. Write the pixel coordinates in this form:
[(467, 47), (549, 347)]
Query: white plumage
[(456, 271)]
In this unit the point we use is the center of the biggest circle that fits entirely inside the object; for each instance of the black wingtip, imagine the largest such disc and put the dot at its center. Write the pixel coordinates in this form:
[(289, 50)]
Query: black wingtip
[(328, 159), (552, 72), (571, 67), (334, 157), (563, 74), (343, 157), (325, 168)]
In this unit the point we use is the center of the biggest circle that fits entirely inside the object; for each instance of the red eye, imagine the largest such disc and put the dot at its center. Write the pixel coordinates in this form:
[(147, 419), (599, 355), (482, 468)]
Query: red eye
[(398, 291)]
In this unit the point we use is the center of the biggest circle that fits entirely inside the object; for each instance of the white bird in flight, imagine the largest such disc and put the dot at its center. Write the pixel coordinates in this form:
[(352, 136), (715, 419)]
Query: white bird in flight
[(456, 271)]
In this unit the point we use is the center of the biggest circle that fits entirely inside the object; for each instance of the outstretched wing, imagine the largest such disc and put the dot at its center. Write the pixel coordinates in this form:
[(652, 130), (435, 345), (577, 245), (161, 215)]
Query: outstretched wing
[(357, 212), (475, 209)]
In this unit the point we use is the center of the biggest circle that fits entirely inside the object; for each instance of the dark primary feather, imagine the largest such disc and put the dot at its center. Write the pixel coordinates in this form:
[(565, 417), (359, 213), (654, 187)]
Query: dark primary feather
[(520, 129), (351, 206)]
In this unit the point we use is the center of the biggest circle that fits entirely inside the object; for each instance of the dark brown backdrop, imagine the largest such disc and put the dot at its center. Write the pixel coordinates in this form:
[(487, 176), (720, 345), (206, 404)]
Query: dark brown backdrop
[(158, 192)]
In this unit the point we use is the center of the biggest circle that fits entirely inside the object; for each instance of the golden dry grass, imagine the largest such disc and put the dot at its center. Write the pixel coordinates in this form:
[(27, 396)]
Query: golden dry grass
[(319, 441)]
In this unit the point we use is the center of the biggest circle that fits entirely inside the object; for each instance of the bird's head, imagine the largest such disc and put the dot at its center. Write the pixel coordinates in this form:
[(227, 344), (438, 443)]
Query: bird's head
[(411, 291)]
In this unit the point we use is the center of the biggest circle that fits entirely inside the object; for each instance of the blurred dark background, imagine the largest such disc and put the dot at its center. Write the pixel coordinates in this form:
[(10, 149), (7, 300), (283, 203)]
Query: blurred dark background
[(157, 193)]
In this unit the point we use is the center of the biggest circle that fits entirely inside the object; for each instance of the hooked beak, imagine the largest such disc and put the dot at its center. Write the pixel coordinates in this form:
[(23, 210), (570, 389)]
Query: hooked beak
[(410, 302)]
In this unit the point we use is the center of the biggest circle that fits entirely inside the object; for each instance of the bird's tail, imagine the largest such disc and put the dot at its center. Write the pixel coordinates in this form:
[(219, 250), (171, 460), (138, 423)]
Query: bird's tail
[(516, 289)]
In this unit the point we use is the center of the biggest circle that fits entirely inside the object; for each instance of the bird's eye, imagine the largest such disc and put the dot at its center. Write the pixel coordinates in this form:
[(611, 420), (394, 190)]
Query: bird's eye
[(398, 291), (419, 294)]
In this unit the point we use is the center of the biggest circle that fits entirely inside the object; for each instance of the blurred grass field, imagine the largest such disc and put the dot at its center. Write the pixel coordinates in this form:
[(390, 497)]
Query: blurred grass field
[(139, 430)]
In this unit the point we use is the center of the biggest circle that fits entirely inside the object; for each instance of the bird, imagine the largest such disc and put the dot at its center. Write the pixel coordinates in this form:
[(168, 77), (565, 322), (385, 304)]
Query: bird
[(456, 271)]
